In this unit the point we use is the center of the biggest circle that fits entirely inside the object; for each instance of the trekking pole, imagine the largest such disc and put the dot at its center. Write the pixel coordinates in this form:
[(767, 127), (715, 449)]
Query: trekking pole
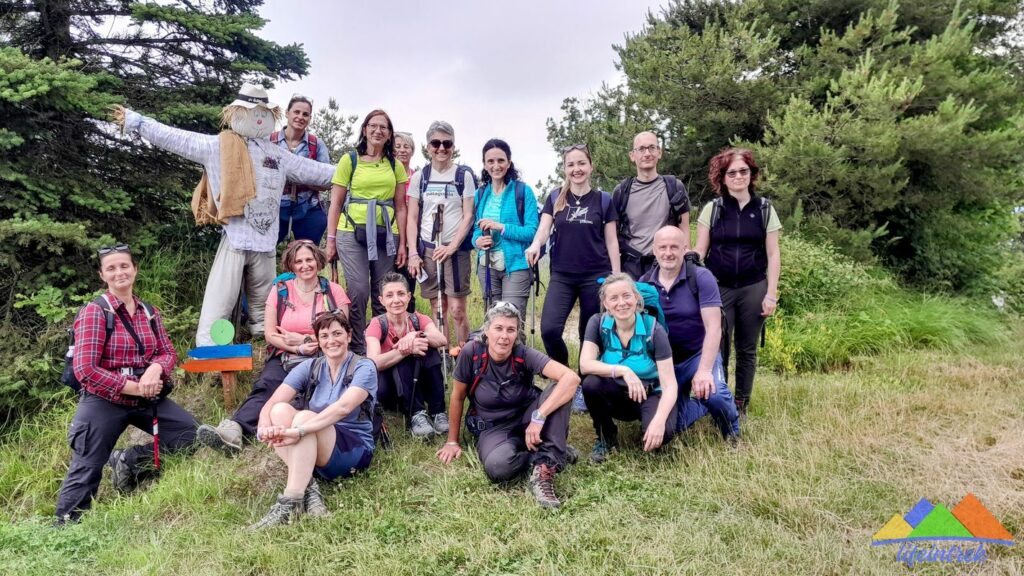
[(536, 294), (438, 226), (417, 365), (487, 274)]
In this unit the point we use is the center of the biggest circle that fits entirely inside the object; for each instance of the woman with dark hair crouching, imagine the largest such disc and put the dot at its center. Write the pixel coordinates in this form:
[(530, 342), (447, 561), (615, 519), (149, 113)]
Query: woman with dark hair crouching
[(515, 424), (404, 346), (627, 360), (123, 364), (506, 222), (330, 435)]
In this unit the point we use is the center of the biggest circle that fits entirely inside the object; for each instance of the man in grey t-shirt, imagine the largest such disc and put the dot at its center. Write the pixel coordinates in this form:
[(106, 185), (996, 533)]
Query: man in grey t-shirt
[(646, 203)]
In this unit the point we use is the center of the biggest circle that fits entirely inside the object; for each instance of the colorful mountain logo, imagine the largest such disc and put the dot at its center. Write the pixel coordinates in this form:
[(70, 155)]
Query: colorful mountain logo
[(968, 521)]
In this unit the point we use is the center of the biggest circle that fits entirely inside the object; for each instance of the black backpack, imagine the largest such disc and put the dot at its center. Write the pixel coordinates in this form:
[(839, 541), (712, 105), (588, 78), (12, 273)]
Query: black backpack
[(716, 212), (678, 199), (460, 186), (68, 377)]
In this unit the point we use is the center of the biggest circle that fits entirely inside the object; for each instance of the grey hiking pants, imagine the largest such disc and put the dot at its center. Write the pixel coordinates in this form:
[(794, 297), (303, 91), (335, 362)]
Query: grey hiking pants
[(502, 449), (511, 287), (362, 283)]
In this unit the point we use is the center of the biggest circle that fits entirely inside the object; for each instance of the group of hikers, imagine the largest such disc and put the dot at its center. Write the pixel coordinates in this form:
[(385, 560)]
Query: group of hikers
[(657, 319)]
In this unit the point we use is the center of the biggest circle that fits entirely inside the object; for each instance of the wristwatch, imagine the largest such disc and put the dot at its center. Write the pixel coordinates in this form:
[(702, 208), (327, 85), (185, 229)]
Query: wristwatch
[(537, 417)]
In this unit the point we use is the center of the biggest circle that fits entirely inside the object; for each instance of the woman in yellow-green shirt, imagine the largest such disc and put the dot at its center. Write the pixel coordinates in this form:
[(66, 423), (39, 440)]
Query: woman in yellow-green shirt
[(368, 181)]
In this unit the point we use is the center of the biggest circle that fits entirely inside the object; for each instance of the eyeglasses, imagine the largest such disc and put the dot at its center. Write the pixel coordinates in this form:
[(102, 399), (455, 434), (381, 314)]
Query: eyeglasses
[(377, 127), (647, 149), (113, 249), (446, 144), (738, 173), (568, 149)]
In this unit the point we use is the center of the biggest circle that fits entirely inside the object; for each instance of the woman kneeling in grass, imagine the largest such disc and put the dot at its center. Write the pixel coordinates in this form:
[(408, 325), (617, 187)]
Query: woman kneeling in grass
[(515, 424), (627, 360), (332, 436)]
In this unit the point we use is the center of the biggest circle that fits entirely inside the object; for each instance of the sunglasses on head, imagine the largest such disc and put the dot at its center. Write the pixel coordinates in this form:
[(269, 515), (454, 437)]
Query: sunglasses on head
[(503, 305), (331, 314), (568, 149), (113, 249), (446, 144), (302, 98)]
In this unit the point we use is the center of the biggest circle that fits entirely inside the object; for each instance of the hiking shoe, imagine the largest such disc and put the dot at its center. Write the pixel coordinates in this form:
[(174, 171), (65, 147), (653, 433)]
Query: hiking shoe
[(284, 511), (226, 437), (313, 500), (420, 426), (542, 485), (572, 455), (599, 453), (122, 475), (579, 405), (440, 423)]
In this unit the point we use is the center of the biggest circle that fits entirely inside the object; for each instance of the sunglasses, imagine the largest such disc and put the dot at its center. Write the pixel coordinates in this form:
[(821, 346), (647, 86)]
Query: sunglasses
[(113, 249), (738, 173), (568, 149), (446, 144), (503, 305)]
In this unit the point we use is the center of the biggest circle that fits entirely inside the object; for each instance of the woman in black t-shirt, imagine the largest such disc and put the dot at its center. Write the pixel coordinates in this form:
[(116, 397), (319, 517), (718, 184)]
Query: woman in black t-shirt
[(581, 222), (515, 424)]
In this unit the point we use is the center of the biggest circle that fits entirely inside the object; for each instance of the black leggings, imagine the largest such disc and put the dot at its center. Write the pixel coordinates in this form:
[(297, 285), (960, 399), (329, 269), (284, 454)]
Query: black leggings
[(563, 291), (742, 308), (395, 386)]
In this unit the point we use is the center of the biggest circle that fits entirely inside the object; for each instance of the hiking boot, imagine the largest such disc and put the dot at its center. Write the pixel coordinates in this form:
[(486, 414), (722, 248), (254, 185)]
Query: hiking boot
[(542, 485), (572, 455), (226, 437), (579, 405), (313, 500), (122, 475), (440, 423), (284, 511), (420, 426), (600, 452)]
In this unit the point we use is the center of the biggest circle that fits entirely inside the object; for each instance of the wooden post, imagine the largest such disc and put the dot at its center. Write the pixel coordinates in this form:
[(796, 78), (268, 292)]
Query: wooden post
[(228, 380)]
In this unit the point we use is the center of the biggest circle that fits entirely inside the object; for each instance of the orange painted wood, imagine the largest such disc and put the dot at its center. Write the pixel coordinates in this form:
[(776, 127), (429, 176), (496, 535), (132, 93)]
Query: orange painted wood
[(218, 365)]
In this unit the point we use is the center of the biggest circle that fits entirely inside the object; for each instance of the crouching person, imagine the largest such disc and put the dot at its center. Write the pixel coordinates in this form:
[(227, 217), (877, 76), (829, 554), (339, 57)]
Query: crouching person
[(404, 346), (693, 311), (123, 362), (515, 424), (330, 436), (627, 360)]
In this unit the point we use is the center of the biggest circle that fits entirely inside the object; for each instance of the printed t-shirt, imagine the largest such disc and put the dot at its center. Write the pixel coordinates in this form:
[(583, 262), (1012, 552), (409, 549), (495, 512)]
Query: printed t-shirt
[(644, 366), (328, 392), (373, 180), (299, 316), (440, 190), (503, 393), (578, 239), (387, 344)]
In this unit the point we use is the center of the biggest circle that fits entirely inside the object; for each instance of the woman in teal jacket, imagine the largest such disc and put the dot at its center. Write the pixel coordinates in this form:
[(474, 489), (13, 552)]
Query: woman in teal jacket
[(506, 221)]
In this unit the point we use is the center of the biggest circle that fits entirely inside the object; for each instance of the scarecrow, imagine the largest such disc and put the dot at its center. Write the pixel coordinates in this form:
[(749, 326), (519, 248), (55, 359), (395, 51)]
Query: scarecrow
[(244, 175)]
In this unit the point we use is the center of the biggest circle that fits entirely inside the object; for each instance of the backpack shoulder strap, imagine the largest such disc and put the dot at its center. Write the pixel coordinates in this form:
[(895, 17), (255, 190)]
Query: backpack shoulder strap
[(325, 287), (282, 300), (651, 324), (415, 321), (716, 211), (108, 315), (606, 202), (460, 178), (520, 193), (275, 136), (691, 280), (623, 189), (351, 370), (424, 180), (606, 334), (766, 212), (311, 146)]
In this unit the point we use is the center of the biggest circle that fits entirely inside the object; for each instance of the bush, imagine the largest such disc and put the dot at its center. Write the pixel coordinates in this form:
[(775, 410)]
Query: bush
[(815, 276)]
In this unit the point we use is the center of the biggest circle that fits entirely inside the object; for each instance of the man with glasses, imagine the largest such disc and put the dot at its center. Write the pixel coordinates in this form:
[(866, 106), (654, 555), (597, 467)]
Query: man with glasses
[(439, 228), (645, 203)]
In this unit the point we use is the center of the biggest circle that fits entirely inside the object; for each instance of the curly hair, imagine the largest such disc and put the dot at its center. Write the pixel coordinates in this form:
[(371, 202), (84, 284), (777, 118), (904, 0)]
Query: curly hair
[(511, 174), (720, 163)]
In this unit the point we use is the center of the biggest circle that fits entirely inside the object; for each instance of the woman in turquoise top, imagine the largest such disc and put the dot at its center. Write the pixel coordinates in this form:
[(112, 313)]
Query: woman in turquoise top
[(505, 226), (627, 363)]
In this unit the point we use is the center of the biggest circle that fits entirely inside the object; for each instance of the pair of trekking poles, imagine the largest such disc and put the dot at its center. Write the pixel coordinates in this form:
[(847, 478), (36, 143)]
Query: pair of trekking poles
[(535, 289)]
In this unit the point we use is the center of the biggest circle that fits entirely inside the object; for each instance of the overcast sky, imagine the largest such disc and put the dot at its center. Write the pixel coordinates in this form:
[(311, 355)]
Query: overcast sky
[(492, 69)]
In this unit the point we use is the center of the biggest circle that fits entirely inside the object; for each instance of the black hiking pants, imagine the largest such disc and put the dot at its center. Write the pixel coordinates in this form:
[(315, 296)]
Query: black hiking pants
[(248, 414), (563, 291), (502, 448), (743, 321), (95, 429), (396, 391), (608, 400)]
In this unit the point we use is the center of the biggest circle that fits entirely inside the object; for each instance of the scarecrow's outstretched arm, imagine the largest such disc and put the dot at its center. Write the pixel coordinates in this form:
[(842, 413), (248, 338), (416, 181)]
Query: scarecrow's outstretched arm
[(194, 146), (305, 171)]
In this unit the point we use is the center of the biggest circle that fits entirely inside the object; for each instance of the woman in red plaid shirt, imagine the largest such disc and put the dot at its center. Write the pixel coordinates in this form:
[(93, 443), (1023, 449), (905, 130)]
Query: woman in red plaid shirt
[(125, 379)]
